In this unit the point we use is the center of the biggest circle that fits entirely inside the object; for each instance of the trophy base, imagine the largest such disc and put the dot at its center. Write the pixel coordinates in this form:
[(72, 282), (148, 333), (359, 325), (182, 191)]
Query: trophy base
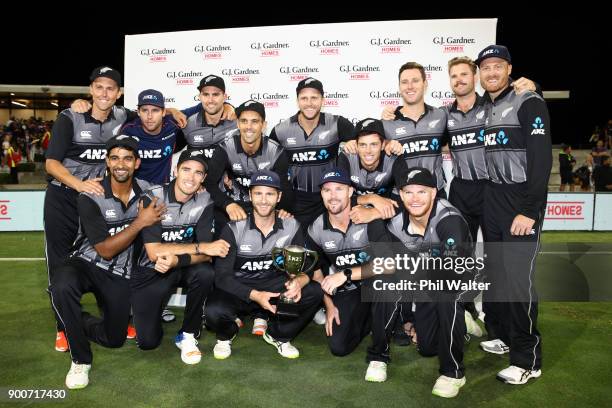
[(284, 308)]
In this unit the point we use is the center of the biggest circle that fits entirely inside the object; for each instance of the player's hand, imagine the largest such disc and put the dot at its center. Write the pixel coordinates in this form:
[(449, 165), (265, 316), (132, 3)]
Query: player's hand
[(235, 212), (331, 315), (227, 182), (393, 147), (523, 84), (91, 186), (350, 147), (363, 215), (219, 248), (331, 282), (179, 117), (151, 214), (522, 225), (385, 206), (294, 290), (263, 299), (81, 106), (388, 113), (228, 112), (283, 215), (165, 262)]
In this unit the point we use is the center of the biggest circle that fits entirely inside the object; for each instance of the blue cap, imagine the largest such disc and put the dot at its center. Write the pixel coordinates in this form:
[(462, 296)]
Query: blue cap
[(151, 97), (494, 51), (335, 175), (265, 178)]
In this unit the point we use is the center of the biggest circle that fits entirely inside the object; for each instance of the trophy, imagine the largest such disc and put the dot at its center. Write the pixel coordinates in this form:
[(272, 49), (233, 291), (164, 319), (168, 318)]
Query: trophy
[(292, 260)]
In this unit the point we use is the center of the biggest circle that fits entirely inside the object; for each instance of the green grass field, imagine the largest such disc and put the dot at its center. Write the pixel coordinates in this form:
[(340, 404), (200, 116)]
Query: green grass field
[(577, 352)]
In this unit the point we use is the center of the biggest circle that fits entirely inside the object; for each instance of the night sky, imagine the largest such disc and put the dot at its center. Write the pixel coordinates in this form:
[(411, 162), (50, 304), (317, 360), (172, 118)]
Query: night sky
[(560, 53)]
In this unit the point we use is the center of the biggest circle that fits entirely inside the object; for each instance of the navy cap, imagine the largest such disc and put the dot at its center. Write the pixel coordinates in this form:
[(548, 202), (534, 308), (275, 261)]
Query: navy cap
[(369, 126), (125, 141), (265, 178), (309, 83), (212, 80), (193, 154), (497, 51), (415, 175), (151, 97), (335, 175), (106, 72), (251, 105)]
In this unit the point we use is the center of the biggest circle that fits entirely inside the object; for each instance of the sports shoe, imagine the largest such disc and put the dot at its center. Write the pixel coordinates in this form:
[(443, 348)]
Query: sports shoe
[(377, 372), (320, 317), (78, 376), (285, 349), (131, 332), (168, 316), (259, 326), (494, 346), (472, 327), (517, 375), (190, 353), (447, 387), (223, 349), (61, 343)]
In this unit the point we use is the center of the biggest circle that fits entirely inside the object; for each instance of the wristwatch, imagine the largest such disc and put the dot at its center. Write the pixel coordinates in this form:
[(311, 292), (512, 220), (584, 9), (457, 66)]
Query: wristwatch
[(348, 272)]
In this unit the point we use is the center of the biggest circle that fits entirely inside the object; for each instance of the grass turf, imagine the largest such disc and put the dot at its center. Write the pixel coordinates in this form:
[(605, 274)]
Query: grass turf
[(576, 347)]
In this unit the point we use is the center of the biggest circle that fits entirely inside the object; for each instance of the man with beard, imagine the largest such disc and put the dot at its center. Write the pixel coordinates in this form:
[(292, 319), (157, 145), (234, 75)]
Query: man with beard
[(178, 252), (102, 259), (346, 251), (246, 281), (518, 154), (312, 139)]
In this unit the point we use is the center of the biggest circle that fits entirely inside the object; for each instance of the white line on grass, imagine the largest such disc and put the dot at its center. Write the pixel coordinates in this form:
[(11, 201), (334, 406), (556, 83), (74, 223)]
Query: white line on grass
[(21, 259)]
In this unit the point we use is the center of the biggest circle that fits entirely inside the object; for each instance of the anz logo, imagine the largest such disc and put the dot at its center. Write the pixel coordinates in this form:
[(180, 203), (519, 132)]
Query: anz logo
[(93, 154), (464, 139), (320, 155), (256, 265), (538, 127), (179, 235), (493, 139), (116, 230), (352, 259), (155, 153), (421, 146)]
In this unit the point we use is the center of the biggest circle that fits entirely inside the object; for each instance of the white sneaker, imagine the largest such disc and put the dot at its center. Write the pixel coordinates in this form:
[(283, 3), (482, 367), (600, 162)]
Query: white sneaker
[(494, 346), (286, 349), (377, 372), (517, 375), (447, 387), (259, 326), (190, 353), (320, 317), (472, 327), (78, 376), (223, 349)]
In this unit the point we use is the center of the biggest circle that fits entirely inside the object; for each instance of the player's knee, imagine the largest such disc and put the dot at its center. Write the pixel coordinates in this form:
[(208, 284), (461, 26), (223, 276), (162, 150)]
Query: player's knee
[(339, 348), (427, 350), (312, 293), (148, 342)]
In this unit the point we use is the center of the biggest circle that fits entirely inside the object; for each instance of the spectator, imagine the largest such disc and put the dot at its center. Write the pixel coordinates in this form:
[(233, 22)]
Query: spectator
[(595, 136), (598, 153), (602, 176), (566, 164)]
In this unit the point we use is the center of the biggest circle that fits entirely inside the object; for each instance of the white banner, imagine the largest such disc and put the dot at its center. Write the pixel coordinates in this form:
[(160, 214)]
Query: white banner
[(603, 212), (21, 210), (569, 211), (358, 63)]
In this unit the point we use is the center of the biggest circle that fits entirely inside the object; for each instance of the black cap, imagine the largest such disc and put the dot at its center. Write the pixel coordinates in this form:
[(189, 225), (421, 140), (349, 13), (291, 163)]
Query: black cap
[(126, 141), (415, 175), (212, 80), (151, 97), (369, 126), (497, 51), (335, 175), (251, 105), (309, 83), (193, 154), (107, 72), (265, 178)]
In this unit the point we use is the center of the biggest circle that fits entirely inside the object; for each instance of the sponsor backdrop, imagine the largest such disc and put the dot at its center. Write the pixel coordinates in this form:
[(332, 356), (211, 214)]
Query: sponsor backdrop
[(357, 62), (23, 211)]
